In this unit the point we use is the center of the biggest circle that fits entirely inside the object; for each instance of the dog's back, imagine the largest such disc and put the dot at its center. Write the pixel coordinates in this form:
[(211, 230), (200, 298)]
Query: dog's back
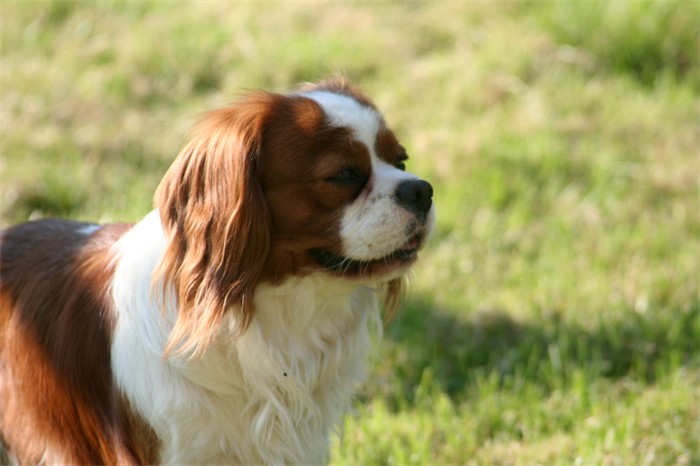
[(55, 330)]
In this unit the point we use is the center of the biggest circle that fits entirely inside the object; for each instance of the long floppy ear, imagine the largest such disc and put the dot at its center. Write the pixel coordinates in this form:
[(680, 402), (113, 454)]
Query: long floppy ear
[(217, 224)]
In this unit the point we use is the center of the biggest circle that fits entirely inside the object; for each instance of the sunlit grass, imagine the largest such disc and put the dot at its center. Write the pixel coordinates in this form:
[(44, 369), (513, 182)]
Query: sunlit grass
[(555, 316)]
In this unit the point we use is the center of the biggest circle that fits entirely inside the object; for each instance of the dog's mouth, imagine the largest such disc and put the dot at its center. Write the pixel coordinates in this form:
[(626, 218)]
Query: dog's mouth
[(345, 266)]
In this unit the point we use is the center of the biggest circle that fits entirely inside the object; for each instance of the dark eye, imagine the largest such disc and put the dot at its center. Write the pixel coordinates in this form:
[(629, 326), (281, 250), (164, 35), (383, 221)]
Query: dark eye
[(400, 162), (345, 176)]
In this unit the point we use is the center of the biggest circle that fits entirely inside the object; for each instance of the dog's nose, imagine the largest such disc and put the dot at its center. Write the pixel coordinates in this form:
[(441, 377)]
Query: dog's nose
[(416, 196)]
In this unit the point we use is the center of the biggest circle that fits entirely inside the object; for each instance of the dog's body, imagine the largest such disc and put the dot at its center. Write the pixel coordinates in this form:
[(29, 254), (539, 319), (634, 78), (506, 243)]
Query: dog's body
[(232, 323)]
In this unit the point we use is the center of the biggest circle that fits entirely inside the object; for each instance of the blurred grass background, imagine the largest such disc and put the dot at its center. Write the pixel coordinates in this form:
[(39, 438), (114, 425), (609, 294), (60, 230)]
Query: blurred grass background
[(555, 316)]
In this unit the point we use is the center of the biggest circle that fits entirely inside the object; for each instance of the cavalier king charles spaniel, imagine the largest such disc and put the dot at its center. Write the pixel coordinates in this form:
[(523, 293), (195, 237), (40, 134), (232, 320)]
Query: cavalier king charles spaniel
[(232, 323)]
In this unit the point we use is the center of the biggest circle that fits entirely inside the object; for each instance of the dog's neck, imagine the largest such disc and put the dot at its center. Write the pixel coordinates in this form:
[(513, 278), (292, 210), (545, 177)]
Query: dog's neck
[(304, 330)]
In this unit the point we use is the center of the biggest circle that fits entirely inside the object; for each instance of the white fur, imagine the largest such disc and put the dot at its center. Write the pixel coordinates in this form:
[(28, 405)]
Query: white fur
[(348, 112), (235, 404), (87, 230), (373, 226)]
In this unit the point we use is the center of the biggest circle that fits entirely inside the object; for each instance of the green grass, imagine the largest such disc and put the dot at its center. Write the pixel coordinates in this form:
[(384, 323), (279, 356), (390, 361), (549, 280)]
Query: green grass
[(555, 316)]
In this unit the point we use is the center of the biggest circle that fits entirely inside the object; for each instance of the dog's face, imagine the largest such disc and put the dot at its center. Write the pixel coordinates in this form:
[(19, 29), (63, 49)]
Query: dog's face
[(336, 187), (278, 186)]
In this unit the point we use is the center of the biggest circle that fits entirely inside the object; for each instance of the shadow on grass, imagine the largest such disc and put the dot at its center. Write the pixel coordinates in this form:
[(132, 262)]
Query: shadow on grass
[(548, 354)]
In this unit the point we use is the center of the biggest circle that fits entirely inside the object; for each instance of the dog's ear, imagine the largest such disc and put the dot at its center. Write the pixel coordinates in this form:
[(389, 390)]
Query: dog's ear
[(393, 290), (217, 224)]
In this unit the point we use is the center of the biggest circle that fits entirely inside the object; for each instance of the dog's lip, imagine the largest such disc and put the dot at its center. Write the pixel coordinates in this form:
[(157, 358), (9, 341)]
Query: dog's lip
[(412, 244), (343, 265)]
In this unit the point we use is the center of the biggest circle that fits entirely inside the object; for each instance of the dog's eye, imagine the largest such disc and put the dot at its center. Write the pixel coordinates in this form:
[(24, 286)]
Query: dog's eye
[(400, 160), (347, 175)]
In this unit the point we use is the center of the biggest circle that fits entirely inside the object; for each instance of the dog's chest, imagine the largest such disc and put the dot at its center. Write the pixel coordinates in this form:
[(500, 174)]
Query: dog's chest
[(289, 380)]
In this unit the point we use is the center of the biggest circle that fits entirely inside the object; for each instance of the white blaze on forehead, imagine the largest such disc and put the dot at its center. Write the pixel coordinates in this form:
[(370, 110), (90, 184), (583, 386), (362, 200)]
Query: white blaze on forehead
[(348, 112)]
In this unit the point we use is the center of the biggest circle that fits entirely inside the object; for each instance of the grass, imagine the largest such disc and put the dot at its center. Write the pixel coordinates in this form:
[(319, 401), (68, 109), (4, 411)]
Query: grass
[(555, 316)]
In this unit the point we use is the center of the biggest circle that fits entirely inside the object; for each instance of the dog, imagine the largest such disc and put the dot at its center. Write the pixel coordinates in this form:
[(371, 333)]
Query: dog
[(233, 322)]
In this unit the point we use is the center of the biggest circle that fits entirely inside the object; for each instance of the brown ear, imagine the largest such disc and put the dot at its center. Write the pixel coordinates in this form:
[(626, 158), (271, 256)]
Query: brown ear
[(392, 297), (217, 224)]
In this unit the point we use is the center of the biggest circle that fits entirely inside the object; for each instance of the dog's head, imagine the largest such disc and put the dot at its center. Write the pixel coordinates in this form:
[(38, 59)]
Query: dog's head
[(287, 185)]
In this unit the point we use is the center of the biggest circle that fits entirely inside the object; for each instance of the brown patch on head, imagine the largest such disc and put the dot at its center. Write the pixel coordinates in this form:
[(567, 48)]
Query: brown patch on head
[(302, 154), (388, 147)]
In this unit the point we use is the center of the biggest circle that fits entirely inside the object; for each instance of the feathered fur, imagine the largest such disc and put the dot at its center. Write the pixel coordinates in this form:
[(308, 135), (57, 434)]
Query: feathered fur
[(232, 323)]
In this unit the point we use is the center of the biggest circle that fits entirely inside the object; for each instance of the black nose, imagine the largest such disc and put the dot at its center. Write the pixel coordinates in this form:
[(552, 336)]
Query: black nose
[(416, 196)]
